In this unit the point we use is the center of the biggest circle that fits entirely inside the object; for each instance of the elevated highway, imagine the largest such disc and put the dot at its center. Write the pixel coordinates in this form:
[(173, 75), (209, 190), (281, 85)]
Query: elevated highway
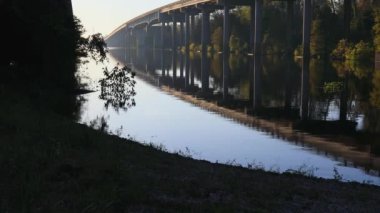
[(180, 16)]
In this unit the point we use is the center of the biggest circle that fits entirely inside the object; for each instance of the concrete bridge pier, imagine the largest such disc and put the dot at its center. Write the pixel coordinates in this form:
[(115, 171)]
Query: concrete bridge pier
[(153, 34), (257, 55), (347, 5), (137, 37), (177, 37), (133, 39), (174, 33), (163, 26), (187, 48), (191, 40), (174, 47), (174, 66), (149, 39), (205, 42), (163, 64), (289, 53), (181, 43), (141, 37), (252, 28), (145, 35), (187, 32), (192, 26), (181, 34), (181, 66), (226, 49), (344, 100), (127, 44), (252, 50), (131, 42), (304, 109), (126, 38), (347, 31)]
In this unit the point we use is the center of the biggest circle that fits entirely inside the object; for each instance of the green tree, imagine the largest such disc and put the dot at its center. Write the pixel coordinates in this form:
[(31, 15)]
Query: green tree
[(362, 51), (340, 51), (376, 29), (217, 39), (317, 43), (375, 94)]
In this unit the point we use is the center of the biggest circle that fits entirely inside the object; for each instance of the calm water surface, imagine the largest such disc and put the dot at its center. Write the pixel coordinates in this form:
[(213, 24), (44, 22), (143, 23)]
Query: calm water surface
[(163, 119)]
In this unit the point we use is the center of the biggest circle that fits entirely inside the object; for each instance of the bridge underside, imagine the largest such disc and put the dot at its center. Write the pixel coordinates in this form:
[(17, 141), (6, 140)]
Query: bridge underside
[(177, 19)]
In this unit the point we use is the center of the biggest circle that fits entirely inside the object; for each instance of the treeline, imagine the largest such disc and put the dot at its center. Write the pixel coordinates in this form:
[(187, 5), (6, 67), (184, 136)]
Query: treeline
[(39, 41), (43, 46), (329, 31), (43, 43)]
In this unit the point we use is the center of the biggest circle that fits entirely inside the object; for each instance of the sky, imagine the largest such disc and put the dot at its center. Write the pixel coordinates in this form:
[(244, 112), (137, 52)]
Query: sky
[(103, 16)]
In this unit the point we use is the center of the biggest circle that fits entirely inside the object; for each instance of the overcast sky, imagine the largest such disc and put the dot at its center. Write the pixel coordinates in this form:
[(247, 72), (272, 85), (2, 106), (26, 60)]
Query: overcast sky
[(103, 16)]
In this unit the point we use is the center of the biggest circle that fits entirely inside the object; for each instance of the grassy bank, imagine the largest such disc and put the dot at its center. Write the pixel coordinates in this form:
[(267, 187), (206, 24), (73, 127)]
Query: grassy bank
[(50, 164)]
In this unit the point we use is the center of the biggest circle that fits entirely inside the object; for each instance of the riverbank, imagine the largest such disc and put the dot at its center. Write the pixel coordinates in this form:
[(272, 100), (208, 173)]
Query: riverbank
[(51, 164)]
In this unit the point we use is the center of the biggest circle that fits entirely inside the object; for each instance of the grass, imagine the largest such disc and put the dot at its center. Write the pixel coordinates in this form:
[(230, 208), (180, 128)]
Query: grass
[(50, 164)]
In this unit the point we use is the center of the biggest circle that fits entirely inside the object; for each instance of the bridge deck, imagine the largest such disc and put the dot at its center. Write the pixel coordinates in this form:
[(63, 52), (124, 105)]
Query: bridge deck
[(164, 9), (183, 3)]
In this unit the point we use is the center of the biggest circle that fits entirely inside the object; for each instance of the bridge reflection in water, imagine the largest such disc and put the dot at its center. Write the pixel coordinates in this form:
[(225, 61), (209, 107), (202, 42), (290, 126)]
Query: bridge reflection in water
[(344, 133)]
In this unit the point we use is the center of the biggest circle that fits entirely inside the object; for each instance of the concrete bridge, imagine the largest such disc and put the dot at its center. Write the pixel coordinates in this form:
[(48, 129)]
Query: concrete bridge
[(183, 12), (180, 16)]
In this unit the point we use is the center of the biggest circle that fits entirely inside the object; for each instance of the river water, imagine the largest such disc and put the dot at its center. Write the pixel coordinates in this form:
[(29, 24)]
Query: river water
[(325, 146)]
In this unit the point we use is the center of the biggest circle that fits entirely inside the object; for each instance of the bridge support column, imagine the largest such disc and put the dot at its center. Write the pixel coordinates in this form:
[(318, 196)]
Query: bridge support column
[(174, 48), (141, 38), (163, 68), (257, 55), (126, 38), (126, 45), (191, 37), (174, 33), (226, 50), (145, 34), (181, 43), (149, 37), (252, 29), (192, 27), (129, 44), (289, 50), (132, 42), (174, 66), (163, 27), (252, 50), (192, 73), (187, 32), (343, 100), (187, 49), (163, 35), (347, 17), (137, 34), (181, 66), (181, 34), (205, 43), (306, 60)]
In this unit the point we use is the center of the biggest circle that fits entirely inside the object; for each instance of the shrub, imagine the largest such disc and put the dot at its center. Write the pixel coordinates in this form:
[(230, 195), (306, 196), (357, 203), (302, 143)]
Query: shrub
[(361, 51), (341, 49)]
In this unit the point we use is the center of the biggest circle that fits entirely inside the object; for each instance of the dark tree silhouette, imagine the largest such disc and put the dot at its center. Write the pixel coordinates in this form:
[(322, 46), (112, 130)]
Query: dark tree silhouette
[(118, 88)]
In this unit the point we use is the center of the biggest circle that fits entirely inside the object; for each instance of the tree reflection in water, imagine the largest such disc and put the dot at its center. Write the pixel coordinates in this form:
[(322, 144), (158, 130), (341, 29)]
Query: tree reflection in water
[(118, 88)]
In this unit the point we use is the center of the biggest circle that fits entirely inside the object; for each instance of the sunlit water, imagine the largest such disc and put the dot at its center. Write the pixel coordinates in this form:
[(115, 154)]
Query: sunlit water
[(162, 119)]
